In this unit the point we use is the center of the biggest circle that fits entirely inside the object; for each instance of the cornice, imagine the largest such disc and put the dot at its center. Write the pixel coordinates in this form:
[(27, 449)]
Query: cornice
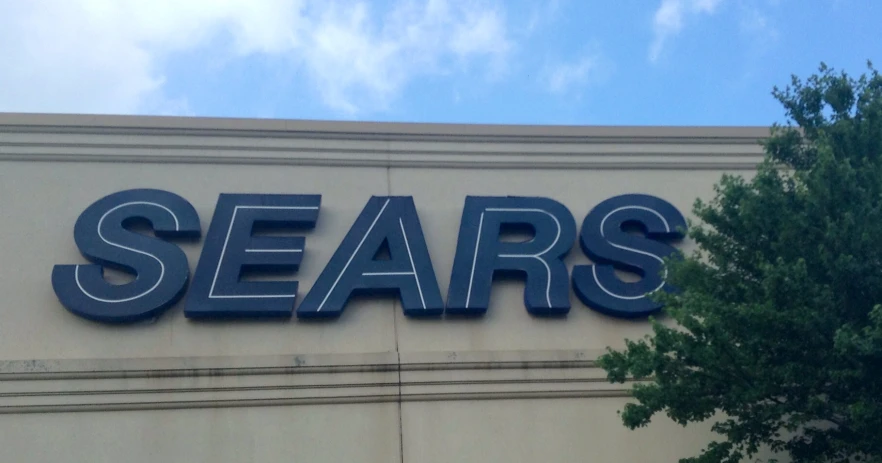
[(84, 138)]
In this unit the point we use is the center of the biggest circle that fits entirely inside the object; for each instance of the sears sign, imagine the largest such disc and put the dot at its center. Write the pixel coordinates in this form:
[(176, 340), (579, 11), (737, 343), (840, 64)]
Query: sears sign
[(384, 252)]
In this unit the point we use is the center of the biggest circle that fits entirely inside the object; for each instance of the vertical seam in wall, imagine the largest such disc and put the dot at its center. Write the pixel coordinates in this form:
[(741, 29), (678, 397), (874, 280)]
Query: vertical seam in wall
[(397, 351), (400, 414), (398, 367)]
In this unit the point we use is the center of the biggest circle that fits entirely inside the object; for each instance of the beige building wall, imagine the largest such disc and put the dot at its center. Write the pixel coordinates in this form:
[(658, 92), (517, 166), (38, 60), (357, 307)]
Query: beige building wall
[(371, 386)]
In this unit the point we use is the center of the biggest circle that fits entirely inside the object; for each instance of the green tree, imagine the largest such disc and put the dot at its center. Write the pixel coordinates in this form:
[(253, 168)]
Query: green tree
[(778, 322)]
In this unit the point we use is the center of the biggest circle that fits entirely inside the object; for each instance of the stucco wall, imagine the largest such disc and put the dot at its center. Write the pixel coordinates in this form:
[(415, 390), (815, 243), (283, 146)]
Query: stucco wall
[(372, 385)]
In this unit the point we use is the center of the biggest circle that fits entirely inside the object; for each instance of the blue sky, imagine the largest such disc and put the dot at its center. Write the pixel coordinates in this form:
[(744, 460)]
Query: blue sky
[(627, 62)]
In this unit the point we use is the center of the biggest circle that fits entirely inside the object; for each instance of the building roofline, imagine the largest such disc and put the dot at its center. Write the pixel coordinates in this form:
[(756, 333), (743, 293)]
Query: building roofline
[(290, 127), (162, 139)]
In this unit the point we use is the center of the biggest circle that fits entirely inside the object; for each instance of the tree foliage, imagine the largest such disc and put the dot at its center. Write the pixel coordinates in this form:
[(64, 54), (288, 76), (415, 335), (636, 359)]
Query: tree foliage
[(778, 317)]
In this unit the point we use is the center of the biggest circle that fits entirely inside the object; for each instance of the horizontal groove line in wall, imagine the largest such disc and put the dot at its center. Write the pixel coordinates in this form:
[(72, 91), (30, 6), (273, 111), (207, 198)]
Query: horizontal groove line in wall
[(280, 370), (293, 387), (426, 397), (342, 162), (382, 136), (379, 155), (54, 147)]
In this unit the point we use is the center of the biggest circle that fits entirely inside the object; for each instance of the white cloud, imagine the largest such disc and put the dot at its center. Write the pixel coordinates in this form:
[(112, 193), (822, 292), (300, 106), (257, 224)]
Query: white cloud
[(756, 26), (669, 17), (564, 77), (107, 56), (542, 14)]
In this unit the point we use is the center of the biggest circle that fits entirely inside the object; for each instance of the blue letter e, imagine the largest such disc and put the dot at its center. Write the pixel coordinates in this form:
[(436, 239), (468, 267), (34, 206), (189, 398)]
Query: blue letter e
[(160, 268), (232, 248), (480, 253)]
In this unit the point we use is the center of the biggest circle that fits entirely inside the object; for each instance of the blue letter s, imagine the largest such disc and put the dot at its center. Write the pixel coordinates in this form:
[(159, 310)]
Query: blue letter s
[(604, 240), (160, 267)]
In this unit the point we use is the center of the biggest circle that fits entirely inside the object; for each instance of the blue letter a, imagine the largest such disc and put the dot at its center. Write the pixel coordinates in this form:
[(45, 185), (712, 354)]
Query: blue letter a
[(386, 221)]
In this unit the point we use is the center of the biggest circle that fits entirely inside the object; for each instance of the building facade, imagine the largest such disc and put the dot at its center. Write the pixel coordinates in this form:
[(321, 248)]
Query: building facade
[(369, 383)]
